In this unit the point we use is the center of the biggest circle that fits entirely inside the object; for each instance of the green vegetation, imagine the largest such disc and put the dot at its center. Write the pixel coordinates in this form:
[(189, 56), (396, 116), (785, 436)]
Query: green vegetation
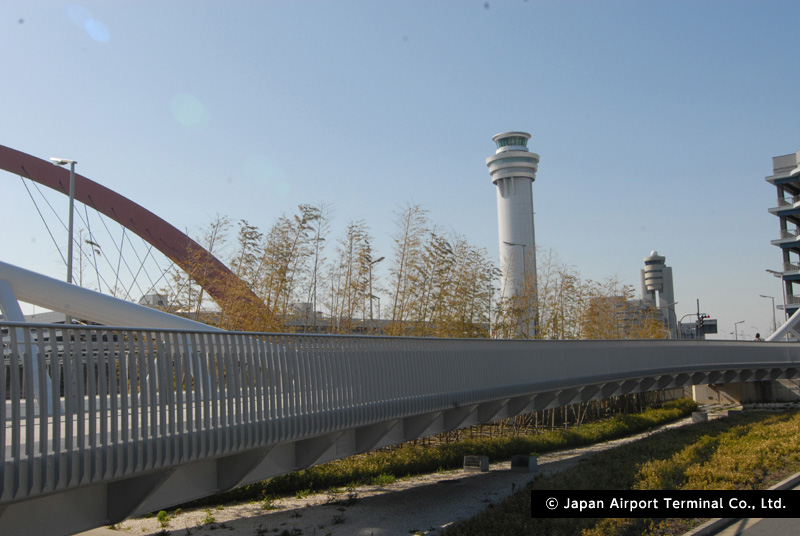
[(752, 450), (163, 518), (381, 466), (209, 518)]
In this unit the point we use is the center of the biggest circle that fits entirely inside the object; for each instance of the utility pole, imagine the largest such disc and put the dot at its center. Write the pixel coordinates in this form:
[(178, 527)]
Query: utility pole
[(697, 324)]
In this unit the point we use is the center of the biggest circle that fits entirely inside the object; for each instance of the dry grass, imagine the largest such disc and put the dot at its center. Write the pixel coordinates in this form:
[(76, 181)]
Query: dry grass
[(752, 450)]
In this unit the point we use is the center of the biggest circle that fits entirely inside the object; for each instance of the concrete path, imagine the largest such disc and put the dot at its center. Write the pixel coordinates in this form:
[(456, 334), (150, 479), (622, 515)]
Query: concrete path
[(754, 526)]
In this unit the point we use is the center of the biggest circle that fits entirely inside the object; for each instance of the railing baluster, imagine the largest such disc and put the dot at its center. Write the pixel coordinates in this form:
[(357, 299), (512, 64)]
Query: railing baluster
[(92, 369), (103, 377), (14, 363), (216, 369), (237, 370), (203, 397), (183, 381), (4, 407), (80, 406), (45, 397)]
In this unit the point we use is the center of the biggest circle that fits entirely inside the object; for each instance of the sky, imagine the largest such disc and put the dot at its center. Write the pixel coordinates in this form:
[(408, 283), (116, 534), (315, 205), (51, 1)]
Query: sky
[(656, 122)]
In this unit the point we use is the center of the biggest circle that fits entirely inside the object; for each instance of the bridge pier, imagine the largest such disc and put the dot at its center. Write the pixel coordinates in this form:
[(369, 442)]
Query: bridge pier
[(747, 392)]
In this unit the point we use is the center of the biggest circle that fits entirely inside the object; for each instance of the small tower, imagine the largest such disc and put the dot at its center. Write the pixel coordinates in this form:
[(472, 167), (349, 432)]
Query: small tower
[(656, 279), (513, 170)]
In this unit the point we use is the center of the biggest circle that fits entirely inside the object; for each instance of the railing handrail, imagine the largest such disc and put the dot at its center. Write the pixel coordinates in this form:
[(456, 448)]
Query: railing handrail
[(790, 200), (790, 233)]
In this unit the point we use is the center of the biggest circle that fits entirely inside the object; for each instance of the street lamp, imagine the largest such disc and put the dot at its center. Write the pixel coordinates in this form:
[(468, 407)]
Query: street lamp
[(783, 288), (64, 162), (736, 329), (71, 228), (373, 297), (376, 261), (524, 289), (680, 323), (677, 328), (774, 322)]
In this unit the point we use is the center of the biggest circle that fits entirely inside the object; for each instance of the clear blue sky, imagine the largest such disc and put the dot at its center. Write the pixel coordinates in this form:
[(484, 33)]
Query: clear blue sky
[(656, 121)]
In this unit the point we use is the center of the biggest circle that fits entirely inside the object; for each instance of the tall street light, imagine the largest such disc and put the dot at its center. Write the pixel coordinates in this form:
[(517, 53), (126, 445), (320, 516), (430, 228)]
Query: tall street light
[(774, 321), (376, 261), (736, 329), (677, 327), (71, 229), (524, 290), (783, 289)]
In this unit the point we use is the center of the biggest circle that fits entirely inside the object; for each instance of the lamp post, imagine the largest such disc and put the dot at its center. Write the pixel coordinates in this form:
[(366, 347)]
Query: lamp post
[(774, 321), (524, 287), (677, 327), (736, 329), (71, 225), (783, 289), (373, 297), (681, 322), (376, 261)]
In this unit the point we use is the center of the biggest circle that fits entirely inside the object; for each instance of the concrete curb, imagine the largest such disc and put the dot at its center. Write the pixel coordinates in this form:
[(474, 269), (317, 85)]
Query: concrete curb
[(715, 525)]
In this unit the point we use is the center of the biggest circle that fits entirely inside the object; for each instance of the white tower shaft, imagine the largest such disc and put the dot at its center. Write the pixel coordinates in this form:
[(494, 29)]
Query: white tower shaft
[(513, 170)]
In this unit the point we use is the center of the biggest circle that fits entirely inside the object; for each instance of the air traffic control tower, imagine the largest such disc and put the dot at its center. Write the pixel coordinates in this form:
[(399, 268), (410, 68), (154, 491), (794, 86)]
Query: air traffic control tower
[(513, 170), (657, 289)]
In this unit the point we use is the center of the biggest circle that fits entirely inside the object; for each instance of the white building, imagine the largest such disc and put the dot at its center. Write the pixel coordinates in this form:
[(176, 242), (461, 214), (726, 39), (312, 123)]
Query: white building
[(513, 170)]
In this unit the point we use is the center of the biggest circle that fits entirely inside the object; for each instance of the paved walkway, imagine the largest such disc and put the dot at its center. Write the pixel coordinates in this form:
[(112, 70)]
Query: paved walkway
[(754, 526)]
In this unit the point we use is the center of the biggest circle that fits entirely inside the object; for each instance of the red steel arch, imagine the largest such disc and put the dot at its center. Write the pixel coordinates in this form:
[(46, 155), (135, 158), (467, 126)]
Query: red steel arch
[(210, 273)]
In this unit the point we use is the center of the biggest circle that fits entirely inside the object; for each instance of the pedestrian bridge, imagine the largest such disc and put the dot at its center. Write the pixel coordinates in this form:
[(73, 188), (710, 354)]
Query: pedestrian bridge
[(105, 423), (102, 423)]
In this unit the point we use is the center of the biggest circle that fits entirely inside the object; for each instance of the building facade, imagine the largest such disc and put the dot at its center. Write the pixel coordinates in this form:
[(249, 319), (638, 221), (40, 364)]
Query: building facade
[(786, 179)]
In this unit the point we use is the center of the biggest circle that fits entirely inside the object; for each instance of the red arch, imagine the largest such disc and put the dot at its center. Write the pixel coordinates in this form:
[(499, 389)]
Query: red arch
[(215, 278)]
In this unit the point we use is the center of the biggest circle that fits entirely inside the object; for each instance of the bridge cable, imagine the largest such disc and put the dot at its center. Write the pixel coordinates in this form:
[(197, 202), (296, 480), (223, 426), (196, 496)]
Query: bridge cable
[(93, 244), (92, 237), (41, 216)]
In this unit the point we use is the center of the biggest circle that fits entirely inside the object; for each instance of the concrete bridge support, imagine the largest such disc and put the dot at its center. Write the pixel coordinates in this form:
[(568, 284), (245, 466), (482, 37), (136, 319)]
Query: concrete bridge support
[(747, 392)]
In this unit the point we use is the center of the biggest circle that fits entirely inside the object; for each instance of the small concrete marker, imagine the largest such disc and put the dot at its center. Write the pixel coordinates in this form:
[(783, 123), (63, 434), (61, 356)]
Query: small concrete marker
[(525, 464), (476, 463)]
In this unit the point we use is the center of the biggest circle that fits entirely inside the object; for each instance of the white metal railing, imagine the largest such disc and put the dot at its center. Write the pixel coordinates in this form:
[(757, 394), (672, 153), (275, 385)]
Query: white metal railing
[(133, 400), (128, 402), (790, 267), (790, 233), (788, 201)]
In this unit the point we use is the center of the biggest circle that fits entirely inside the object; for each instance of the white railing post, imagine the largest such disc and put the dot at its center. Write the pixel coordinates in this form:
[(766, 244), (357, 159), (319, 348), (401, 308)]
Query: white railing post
[(13, 313)]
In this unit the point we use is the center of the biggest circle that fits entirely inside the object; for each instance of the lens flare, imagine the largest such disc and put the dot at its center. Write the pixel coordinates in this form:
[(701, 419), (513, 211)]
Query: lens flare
[(189, 111), (258, 168), (97, 30), (82, 17)]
